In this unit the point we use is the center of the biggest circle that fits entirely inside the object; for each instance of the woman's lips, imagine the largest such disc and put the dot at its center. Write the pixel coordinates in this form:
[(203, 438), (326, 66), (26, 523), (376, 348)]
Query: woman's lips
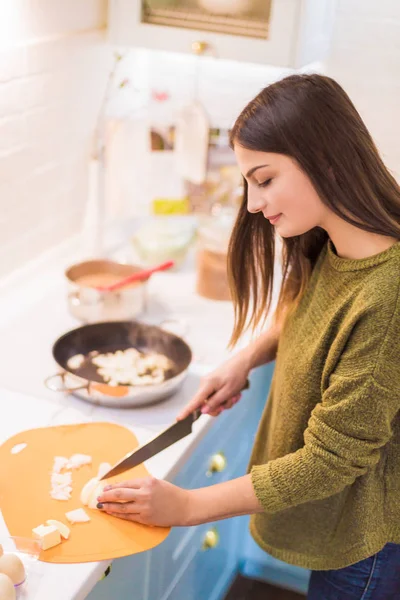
[(274, 218)]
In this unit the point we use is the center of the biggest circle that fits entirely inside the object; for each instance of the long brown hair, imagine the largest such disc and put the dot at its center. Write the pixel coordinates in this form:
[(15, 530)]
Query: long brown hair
[(311, 119)]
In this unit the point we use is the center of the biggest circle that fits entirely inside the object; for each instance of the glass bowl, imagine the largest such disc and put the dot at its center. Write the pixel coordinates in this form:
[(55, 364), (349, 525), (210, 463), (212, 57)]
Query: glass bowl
[(165, 238), (28, 550)]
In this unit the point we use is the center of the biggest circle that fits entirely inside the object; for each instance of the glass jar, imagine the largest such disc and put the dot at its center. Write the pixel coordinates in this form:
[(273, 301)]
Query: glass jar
[(213, 240), (164, 238)]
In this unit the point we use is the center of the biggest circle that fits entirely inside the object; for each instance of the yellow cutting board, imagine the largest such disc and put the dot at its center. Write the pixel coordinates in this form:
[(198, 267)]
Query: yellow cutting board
[(25, 499)]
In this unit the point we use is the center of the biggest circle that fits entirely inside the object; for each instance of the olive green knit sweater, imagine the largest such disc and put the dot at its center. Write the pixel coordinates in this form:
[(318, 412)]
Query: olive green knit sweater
[(326, 460)]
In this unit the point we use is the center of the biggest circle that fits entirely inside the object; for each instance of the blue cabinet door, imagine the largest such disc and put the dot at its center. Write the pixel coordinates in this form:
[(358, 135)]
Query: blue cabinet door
[(128, 579), (253, 561), (180, 569), (257, 564), (208, 564)]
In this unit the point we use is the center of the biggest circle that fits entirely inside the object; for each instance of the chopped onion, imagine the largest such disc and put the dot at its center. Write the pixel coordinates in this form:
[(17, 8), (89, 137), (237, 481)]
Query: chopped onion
[(78, 460), (62, 528), (103, 469), (60, 462), (61, 482), (131, 367), (78, 515), (75, 362), (95, 492), (87, 490), (60, 495)]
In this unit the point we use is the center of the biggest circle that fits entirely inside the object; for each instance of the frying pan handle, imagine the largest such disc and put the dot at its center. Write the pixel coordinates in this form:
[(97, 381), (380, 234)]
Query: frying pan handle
[(49, 381)]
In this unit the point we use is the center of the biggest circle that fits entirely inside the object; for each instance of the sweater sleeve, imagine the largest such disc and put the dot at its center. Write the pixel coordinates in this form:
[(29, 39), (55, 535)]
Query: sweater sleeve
[(344, 437)]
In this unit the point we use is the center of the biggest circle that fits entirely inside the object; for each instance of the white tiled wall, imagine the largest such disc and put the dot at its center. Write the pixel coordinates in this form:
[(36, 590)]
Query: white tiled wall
[(53, 65), (365, 59)]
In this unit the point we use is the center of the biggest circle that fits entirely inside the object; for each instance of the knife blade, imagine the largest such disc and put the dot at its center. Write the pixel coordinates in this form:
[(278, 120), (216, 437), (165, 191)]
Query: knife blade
[(163, 440), (166, 438)]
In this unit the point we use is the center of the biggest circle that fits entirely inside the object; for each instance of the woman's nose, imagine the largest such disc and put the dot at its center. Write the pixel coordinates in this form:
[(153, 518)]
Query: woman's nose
[(255, 202)]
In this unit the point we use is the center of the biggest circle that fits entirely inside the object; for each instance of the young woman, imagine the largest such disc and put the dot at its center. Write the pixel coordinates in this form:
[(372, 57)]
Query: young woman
[(324, 479)]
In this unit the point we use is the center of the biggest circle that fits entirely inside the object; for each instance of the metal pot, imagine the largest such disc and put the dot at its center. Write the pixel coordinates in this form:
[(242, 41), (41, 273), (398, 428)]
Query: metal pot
[(87, 384), (90, 305)]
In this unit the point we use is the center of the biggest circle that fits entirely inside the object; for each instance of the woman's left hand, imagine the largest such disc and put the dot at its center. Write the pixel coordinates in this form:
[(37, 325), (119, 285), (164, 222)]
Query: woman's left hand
[(149, 501)]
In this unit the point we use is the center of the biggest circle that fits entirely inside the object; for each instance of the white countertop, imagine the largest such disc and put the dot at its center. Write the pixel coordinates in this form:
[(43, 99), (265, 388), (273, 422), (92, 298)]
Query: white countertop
[(26, 412), (33, 314)]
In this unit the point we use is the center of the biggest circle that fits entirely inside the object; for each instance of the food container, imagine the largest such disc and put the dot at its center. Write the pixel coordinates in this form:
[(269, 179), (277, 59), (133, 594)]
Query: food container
[(88, 304), (28, 551), (213, 242), (163, 239)]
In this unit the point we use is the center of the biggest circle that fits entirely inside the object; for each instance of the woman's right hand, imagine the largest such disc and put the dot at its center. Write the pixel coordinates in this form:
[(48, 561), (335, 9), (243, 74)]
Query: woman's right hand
[(221, 389)]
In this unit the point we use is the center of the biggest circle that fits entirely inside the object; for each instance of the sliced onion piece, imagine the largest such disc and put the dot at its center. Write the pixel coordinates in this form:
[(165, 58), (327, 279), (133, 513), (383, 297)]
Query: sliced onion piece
[(78, 515)]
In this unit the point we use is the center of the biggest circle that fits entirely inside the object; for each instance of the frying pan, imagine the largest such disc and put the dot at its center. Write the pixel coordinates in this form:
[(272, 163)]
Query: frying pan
[(87, 384)]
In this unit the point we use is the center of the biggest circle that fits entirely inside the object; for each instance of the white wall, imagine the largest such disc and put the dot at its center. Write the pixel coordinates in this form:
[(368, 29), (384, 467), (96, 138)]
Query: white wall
[(365, 59), (53, 64)]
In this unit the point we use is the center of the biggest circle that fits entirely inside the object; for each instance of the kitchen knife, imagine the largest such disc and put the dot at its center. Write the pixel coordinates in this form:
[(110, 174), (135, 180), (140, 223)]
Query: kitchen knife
[(163, 440)]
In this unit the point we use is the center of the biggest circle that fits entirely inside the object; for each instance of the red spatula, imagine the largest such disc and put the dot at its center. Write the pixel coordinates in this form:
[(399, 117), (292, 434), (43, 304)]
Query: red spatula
[(139, 276)]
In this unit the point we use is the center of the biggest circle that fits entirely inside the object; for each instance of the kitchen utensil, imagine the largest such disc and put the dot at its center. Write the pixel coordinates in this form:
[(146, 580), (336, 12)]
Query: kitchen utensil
[(89, 305), (87, 384), (163, 440), (26, 503), (139, 276), (169, 436)]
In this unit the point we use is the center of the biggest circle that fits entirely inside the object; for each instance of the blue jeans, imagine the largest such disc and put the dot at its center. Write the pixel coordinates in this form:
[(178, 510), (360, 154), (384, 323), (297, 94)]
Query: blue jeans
[(375, 578)]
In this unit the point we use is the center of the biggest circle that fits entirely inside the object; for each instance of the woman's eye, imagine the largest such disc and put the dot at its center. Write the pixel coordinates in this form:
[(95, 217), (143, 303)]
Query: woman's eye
[(265, 183)]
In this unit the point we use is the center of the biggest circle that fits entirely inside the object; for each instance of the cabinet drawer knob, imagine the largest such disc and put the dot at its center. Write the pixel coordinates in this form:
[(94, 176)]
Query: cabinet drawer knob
[(218, 463), (106, 573), (211, 539), (199, 47)]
